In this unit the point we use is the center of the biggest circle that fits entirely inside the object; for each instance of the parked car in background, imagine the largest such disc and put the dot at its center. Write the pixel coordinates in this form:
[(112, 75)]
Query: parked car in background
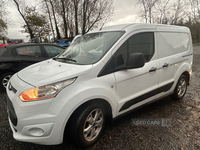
[(13, 58), (63, 42), (3, 45)]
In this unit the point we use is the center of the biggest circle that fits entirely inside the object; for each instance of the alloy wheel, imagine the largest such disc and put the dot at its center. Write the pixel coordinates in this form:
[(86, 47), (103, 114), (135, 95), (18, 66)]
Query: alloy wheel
[(5, 80), (182, 86), (93, 125)]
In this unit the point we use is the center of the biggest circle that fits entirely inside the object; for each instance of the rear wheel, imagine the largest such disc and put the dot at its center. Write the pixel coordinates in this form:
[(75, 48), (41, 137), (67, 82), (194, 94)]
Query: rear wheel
[(88, 124), (181, 88), (5, 79)]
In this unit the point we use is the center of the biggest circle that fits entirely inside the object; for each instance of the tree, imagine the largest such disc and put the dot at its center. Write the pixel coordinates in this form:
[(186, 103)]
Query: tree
[(76, 4), (55, 20), (95, 11), (24, 18), (161, 11), (194, 12), (64, 17), (62, 9), (146, 9), (38, 23), (3, 28), (49, 14), (177, 10), (79, 16), (195, 30), (3, 23)]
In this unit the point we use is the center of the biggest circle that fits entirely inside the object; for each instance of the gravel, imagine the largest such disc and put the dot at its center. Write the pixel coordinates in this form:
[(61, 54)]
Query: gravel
[(183, 133)]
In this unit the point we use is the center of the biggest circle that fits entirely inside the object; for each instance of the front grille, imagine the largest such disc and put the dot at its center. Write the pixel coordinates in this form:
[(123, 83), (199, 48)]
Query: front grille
[(11, 88), (11, 111)]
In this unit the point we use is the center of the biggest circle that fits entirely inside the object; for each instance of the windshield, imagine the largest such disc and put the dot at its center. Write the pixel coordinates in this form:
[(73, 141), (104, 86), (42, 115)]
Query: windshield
[(90, 48)]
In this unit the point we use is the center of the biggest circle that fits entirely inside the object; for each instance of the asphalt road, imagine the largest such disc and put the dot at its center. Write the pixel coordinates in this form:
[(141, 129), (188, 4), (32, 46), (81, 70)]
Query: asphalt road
[(184, 132)]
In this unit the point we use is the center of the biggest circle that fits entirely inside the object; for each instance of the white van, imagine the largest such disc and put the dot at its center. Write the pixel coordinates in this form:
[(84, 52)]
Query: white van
[(110, 72)]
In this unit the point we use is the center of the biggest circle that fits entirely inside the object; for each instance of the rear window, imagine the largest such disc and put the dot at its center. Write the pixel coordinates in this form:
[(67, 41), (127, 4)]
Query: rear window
[(185, 43)]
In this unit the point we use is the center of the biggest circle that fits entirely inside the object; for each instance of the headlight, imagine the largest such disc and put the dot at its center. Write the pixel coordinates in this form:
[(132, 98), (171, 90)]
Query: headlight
[(45, 92)]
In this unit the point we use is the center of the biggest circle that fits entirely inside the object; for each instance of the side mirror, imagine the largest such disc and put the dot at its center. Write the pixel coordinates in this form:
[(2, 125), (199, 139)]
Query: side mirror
[(136, 60)]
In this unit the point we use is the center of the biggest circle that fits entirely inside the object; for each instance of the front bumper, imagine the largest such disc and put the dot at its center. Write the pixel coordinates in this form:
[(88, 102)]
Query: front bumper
[(40, 128), (39, 134), (32, 121)]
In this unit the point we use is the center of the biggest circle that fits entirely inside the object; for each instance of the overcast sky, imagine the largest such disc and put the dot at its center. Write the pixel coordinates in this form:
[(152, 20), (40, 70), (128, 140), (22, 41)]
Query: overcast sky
[(124, 12)]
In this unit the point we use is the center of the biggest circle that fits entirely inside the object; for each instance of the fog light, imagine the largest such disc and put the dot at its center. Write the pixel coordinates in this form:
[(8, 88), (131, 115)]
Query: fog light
[(36, 132)]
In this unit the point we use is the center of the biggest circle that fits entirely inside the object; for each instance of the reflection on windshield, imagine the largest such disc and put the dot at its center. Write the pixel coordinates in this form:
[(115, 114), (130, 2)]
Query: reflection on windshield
[(90, 48)]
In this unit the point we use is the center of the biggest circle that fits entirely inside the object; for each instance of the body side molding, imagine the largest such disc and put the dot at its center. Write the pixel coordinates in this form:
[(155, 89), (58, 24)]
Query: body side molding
[(138, 99)]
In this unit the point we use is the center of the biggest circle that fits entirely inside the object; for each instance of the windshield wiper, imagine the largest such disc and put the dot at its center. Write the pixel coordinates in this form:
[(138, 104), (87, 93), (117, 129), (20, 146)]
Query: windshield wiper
[(65, 59)]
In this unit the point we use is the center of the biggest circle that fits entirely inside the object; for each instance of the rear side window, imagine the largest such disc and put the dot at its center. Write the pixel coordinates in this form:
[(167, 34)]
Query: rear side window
[(172, 43), (184, 41), (30, 51), (53, 50)]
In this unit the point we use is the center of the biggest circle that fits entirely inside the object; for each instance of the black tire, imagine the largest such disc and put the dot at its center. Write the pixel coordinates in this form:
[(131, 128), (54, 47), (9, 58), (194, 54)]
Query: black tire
[(181, 88), (79, 123), (5, 79)]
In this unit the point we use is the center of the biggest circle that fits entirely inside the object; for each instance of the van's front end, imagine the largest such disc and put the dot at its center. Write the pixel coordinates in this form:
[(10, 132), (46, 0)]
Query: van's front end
[(34, 115), (29, 121), (42, 97)]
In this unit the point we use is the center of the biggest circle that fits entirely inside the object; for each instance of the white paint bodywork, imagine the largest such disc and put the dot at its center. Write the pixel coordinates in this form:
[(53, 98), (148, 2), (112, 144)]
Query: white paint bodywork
[(51, 115)]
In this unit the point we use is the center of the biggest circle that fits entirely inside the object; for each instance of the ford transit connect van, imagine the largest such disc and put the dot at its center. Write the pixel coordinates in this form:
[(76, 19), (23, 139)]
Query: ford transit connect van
[(108, 73)]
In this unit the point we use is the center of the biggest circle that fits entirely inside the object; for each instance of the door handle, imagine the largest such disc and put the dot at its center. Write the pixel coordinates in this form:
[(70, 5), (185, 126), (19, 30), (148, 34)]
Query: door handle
[(152, 69), (165, 65)]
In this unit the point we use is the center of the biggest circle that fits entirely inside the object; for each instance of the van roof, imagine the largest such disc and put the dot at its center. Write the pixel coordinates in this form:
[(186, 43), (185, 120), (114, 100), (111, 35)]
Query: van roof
[(140, 26)]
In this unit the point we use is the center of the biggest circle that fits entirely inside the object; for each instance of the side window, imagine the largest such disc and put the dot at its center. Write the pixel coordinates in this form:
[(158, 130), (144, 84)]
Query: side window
[(121, 56), (142, 43), (118, 59), (138, 43), (171, 43), (185, 43), (30, 51), (52, 50)]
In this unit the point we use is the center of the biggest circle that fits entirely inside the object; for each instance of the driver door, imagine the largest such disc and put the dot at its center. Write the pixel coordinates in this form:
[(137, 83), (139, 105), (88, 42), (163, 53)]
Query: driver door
[(136, 86)]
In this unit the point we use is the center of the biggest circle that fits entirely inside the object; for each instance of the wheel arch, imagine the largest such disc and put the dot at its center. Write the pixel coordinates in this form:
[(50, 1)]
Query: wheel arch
[(6, 71), (187, 74), (2, 77), (108, 109)]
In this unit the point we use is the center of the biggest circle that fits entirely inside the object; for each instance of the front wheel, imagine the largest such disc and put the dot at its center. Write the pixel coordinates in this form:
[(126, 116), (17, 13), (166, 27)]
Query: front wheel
[(5, 79), (88, 125), (181, 88)]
